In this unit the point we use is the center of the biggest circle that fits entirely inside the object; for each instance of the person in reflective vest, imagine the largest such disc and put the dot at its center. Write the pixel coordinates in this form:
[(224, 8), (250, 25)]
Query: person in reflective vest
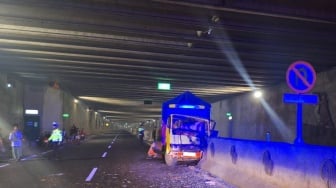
[(55, 139)]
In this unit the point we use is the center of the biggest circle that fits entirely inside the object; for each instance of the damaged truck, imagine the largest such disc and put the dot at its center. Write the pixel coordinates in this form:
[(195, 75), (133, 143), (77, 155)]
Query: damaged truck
[(186, 127)]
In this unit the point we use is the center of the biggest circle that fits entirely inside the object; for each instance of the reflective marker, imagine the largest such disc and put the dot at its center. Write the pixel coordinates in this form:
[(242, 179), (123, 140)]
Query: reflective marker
[(92, 173), (104, 154)]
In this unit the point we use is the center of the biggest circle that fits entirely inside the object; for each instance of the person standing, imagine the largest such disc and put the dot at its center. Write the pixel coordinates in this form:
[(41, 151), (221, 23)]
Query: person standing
[(73, 133), (56, 140), (64, 135), (141, 132), (16, 142)]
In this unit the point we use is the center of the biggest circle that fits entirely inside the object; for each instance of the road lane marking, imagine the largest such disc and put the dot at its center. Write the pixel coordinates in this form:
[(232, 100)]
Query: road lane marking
[(46, 152), (92, 173), (35, 155), (29, 157), (115, 138), (104, 154), (4, 165), (57, 174)]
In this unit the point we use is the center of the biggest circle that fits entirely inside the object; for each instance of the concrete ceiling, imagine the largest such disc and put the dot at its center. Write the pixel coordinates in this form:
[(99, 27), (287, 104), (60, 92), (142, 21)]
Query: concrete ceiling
[(111, 54)]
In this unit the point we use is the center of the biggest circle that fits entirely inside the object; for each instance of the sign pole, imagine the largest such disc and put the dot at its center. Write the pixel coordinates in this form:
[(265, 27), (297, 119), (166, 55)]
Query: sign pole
[(299, 139), (301, 78)]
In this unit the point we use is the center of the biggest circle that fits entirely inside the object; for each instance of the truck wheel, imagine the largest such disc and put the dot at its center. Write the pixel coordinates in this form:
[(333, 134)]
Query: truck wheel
[(170, 160)]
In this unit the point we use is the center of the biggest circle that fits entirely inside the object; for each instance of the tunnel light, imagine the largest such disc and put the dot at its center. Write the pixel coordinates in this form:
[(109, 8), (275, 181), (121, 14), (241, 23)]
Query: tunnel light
[(31, 112), (9, 85), (229, 115), (75, 100), (257, 94)]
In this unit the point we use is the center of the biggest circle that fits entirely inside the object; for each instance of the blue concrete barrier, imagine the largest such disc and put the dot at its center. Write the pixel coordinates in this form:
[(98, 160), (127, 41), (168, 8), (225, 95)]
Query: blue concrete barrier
[(246, 163)]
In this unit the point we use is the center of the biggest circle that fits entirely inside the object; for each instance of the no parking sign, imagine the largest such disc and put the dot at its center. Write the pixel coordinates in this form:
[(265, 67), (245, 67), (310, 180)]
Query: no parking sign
[(301, 77)]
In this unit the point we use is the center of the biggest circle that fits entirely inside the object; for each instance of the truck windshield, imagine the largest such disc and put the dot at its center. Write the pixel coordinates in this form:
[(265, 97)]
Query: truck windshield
[(190, 123), (188, 130)]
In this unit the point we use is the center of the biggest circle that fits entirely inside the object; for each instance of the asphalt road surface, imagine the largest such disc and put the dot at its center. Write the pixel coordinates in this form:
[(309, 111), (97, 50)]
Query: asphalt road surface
[(114, 159)]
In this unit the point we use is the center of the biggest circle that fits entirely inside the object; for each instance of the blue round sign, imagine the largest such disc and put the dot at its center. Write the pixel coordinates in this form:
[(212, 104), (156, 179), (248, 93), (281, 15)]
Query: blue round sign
[(301, 77)]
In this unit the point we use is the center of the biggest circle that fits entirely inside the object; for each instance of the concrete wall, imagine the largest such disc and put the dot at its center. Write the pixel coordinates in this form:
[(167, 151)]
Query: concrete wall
[(253, 118), (33, 95), (52, 108), (242, 157), (58, 102), (79, 114), (49, 101), (11, 100), (255, 164)]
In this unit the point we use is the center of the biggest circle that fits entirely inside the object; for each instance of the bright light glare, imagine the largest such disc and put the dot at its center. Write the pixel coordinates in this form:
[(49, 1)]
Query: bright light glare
[(257, 94), (31, 111), (187, 106), (163, 86), (75, 101), (225, 44), (279, 124)]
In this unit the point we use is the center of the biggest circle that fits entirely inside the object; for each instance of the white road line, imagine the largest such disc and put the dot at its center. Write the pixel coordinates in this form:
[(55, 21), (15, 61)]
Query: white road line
[(35, 155), (115, 138), (46, 152), (57, 174), (92, 173), (29, 157), (1, 166), (104, 154)]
